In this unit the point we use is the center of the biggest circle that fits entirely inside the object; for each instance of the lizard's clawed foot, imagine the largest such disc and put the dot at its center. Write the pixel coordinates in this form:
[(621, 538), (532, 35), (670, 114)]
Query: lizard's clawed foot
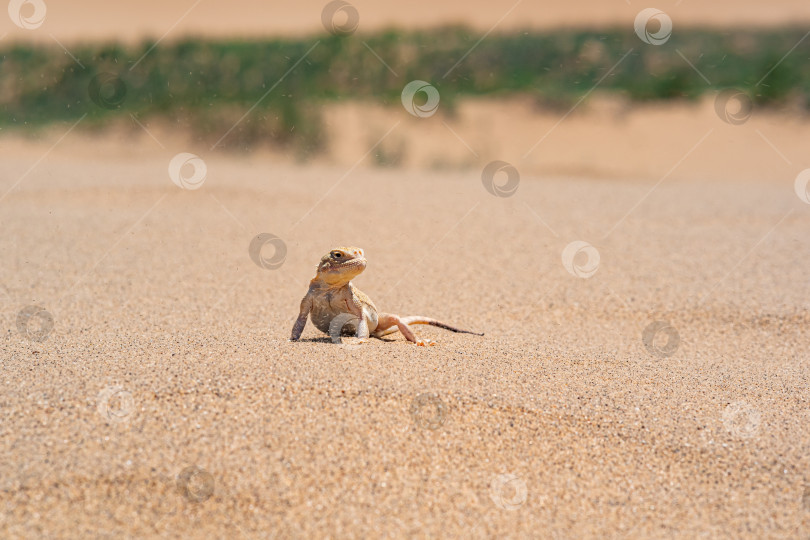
[(424, 342)]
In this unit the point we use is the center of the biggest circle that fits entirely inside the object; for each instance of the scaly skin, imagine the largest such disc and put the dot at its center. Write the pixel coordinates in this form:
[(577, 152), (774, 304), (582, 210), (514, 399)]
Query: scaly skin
[(332, 300)]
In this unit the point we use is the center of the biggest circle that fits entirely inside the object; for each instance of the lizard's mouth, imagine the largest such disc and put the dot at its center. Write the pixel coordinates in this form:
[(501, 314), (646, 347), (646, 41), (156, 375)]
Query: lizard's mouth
[(359, 264), (349, 268)]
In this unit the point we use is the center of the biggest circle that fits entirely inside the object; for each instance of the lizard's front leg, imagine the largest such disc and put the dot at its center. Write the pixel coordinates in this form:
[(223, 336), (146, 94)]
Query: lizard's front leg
[(362, 326), (361, 321), (301, 321)]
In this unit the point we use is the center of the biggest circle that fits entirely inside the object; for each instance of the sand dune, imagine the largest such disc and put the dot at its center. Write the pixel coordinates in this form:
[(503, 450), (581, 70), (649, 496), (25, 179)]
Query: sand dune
[(96, 20)]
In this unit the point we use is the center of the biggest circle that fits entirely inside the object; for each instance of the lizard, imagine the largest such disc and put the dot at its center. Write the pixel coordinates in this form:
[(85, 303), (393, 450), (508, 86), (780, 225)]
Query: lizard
[(332, 298)]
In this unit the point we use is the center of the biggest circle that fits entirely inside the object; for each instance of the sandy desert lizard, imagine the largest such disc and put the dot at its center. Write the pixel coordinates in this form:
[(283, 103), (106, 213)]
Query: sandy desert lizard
[(332, 298)]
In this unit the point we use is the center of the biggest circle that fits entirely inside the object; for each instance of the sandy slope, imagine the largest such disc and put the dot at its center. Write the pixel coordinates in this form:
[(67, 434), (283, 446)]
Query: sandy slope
[(161, 315), (83, 20), (602, 137)]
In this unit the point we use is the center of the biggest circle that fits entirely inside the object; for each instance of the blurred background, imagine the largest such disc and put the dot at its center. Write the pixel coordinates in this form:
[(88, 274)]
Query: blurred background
[(567, 89)]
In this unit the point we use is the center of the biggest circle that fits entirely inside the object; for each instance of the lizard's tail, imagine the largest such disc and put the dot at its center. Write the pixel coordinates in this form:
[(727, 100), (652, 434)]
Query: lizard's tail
[(416, 319)]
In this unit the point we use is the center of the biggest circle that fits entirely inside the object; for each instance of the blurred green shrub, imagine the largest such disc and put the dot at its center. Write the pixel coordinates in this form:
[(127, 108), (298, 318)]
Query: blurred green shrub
[(209, 85)]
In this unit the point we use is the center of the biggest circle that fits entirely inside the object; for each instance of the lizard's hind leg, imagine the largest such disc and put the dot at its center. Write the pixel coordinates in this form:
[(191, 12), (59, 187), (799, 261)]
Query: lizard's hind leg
[(388, 323)]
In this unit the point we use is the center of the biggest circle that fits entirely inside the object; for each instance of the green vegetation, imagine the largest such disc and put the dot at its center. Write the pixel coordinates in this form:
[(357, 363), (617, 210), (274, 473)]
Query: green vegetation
[(207, 86)]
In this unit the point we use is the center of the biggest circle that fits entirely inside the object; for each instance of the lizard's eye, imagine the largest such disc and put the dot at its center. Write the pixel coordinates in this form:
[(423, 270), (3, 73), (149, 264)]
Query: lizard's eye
[(337, 254)]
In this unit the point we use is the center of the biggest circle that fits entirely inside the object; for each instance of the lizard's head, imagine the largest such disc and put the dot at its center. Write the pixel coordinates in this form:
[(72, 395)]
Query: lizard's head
[(341, 265)]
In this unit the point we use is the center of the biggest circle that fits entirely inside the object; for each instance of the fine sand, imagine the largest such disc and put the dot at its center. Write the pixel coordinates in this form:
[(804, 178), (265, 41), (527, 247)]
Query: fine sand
[(166, 400)]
